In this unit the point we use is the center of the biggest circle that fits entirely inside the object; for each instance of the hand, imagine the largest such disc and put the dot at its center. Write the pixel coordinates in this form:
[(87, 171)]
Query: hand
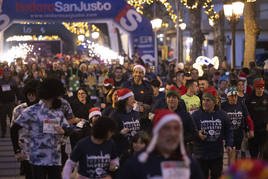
[(103, 105), (151, 116), (59, 130), (229, 149), (113, 166), (20, 156), (20, 145), (251, 134), (141, 108), (200, 134), (124, 131), (107, 177), (74, 120)]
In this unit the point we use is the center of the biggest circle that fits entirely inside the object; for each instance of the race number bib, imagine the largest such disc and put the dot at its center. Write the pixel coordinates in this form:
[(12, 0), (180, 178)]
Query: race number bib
[(49, 126), (175, 170), (6, 88)]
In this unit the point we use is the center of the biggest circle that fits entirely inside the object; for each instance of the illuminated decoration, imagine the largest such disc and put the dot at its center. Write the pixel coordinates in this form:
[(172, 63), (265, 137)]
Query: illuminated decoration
[(81, 28), (95, 35), (138, 5), (251, 0), (32, 38), (22, 50), (104, 53), (156, 23), (187, 4), (202, 60), (206, 4)]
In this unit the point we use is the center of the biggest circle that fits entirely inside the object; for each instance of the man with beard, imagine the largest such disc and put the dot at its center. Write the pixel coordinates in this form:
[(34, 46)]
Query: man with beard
[(143, 93), (203, 84), (45, 123), (165, 157)]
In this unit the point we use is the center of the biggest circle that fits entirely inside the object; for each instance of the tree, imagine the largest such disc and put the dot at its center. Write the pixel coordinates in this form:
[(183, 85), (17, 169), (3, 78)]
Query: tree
[(252, 31), (219, 38), (195, 32)]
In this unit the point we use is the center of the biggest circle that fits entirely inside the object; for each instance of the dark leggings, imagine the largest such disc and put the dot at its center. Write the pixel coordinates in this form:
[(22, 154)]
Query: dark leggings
[(6, 110), (27, 169), (46, 172), (214, 166)]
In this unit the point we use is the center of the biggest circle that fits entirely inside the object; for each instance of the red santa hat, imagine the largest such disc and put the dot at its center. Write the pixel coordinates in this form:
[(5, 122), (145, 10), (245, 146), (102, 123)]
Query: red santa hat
[(242, 76), (94, 112), (140, 67), (124, 94), (162, 117), (109, 82)]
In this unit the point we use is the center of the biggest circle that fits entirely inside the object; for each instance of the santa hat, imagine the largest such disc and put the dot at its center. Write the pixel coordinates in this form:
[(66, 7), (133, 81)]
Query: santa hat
[(162, 117), (140, 67), (94, 112), (242, 76), (109, 82), (211, 93), (174, 90), (124, 94), (258, 82)]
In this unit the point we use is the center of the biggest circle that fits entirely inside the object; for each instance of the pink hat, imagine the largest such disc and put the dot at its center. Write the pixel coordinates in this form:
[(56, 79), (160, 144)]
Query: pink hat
[(124, 94), (94, 112), (140, 67), (162, 117), (109, 82)]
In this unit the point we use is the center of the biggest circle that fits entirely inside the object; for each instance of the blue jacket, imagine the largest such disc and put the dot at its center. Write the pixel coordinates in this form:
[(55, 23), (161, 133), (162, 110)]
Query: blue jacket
[(216, 126)]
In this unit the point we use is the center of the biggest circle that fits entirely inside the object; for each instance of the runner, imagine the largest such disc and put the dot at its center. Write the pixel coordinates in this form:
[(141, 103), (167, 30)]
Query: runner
[(45, 123), (214, 127), (165, 157), (95, 154)]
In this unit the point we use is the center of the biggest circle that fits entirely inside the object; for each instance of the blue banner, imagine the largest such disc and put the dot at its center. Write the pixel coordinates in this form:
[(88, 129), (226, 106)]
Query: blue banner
[(137, 26)]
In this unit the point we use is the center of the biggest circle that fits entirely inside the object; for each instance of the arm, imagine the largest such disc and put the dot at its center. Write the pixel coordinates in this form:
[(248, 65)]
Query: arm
[(67, 170), (227, 132), (14, 133)]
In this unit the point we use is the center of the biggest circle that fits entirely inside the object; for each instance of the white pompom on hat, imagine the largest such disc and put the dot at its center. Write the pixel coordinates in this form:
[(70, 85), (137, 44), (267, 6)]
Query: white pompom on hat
[(162, 117), (124, 94), (94, 112), (140, 67)]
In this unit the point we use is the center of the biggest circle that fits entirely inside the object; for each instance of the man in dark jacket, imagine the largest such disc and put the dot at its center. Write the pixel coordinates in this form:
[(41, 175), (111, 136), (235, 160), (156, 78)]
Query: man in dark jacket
[(172, 99), (214, 127), (257, 104), (8, 94), (143, 94), (165, 157)]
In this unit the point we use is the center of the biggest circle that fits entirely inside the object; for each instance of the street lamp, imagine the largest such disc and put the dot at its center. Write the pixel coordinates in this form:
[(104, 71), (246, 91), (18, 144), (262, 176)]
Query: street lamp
[(181, 27), (156, 25), (233, 11)]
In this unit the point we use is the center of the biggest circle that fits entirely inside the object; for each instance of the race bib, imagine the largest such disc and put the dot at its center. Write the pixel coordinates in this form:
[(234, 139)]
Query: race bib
[(6, 88), (49, 126), (175, 170)]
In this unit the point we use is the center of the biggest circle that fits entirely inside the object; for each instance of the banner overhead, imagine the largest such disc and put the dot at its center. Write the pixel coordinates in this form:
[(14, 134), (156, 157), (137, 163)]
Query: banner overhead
[(138, 27)]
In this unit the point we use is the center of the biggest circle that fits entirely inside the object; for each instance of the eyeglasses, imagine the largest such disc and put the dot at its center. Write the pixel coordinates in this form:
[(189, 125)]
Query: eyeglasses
[(82, 93)]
